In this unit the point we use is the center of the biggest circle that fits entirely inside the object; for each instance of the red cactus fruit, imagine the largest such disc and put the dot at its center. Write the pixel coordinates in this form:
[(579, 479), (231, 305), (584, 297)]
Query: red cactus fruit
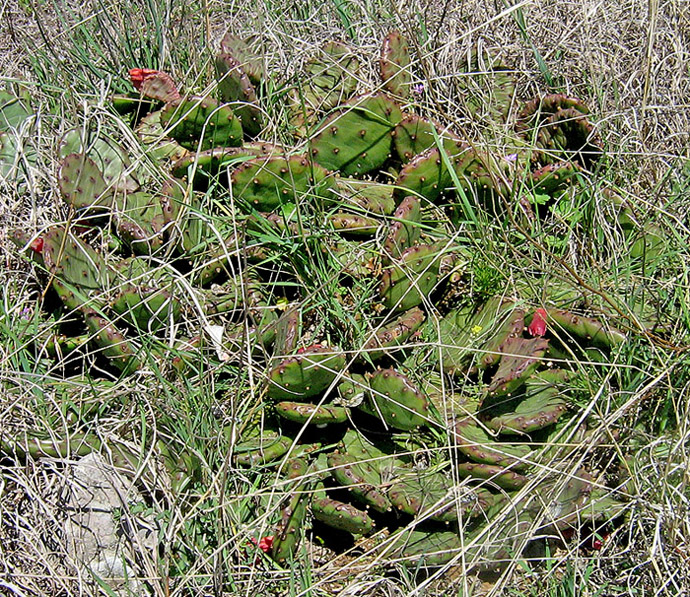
[(538, 325), (37, 245), (266, 543)]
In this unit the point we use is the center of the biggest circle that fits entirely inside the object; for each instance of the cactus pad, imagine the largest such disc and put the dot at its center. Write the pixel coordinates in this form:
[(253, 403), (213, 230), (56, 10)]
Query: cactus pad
[(369, 196), (418, 548), (244, 50), (361, 478), (404, 231), (409, 282), (397, 332), (474, 442), (306, 374), (586, 329), (302, 413), (200, 122), (238, 92), (330, 79), (415, 135), (497, 475), (541, 407), (154, 84), (354, 225), (395, 64), (518, 362), (82, 184), (267, 448), (268, 182), (397, 401), (340, 515), (357, 138), (431, 495)]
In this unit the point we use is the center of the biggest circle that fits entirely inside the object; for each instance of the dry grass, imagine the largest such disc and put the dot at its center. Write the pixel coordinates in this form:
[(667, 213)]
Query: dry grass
[(630, 61)]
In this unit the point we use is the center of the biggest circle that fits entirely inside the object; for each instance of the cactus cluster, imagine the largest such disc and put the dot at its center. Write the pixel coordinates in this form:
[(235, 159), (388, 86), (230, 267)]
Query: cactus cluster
[(355, 194)]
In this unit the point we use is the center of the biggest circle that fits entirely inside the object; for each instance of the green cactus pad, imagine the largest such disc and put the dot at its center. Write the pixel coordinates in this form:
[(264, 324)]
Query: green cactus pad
[(395, 64), (289, 529), (418, 548), (541, 107), (200, 122), (361, 479), (562, 496), (297, 468), (133, 104), (568, 133), (427, 175), (425, 493), (152, 136), (174, 201), (265, 183), (238, 92), (510, 323), (541, 407), (111, 159), (349, 258), (147, 309), (77, 444), (353, 389), (474, 442), (474, 337), (356, 139), (519, 360), (354, 225), (340, 515), (306, 374), (72, 261), (115, 346), (58, 347), (437, 497), (139, 220), (404, 231), (82, 184), (8, 156), (14, 110), (553, 178), (330, 77), (560, 127), (269, 447), (601, 506), (397, 332), (486, 178), (415, 135), (206, 164), (397, 401), (497, 475), (367, 195), (244, 50), (409, 281), (300, 412), (586, 329)]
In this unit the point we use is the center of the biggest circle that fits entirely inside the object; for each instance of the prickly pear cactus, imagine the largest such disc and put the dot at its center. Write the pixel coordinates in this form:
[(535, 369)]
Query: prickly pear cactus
[(251, 261)]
